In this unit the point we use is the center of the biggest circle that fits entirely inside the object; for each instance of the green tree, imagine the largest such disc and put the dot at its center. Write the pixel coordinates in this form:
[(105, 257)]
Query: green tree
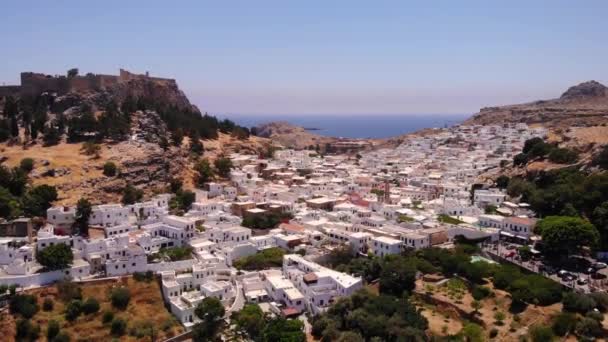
[(9, 205), (223, 166), (280, 329), (210, 311), (196, 146), (120, 297), (540, 333), (91, 305), (563, 323), (502, 181), (27, 164), (91, 149), (250, 319), (204, 172), (55, 257), (83, 212), (52, 329), (563, 235), (26, 330), (398, 275), (109, 169), (72, 73), (23, 305), (38, 199), (118, 327), (73, 310), (473, 332), (131, 194)]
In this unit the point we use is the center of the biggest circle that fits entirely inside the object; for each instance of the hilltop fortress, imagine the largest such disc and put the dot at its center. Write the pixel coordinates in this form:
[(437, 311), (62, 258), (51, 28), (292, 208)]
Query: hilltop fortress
[(36, 83)]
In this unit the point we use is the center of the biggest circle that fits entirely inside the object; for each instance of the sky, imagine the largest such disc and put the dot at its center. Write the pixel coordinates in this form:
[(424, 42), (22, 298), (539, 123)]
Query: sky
[(320, 57)]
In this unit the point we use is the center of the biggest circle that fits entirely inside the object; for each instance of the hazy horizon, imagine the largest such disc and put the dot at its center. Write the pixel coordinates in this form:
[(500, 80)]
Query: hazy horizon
[(318, 57)]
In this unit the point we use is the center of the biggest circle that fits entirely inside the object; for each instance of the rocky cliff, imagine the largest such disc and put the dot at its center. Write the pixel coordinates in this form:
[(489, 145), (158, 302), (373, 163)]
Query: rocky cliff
[(582, 105)]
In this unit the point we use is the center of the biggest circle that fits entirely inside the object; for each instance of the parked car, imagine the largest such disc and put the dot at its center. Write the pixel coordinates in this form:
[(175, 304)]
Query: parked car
[(590, 270), (562, 273), (569, 277), (582, 281)]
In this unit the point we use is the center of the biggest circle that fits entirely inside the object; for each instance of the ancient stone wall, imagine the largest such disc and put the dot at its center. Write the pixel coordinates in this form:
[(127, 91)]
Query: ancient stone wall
[(11, 90), (36, 83)]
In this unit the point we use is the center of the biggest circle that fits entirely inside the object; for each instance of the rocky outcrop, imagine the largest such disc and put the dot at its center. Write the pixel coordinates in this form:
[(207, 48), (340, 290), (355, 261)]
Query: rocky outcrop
[(582, 105)]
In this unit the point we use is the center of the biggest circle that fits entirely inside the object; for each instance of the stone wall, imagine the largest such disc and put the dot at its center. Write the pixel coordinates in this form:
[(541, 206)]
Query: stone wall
[(36, 83), (11, 90)]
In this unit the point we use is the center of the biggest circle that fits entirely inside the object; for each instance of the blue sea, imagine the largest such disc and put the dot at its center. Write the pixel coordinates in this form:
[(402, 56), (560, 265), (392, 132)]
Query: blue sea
[(355, 126)]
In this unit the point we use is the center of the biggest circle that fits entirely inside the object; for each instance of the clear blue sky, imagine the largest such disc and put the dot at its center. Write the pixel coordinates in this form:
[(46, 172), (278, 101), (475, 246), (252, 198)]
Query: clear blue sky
[(326, 56)]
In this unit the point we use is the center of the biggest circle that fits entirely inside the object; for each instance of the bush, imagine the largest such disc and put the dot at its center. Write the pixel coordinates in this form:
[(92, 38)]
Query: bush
[(120, 298), (27, 164), (73, 310), (563, 156), (24, 305), (541, 334), (48, 304), (493, 332), (563, 323), (26, 331), (109, 169), (480, 292), (118, 327), (588, 327), (68, 291), (144, 276), (271, 257), (580, 303), (107, 317), (62, 337), (91, 305), (52, 329)]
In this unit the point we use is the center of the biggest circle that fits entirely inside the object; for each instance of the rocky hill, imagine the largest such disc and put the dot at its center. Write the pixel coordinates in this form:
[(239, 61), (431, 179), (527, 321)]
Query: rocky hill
[(146, 126), (292, 136), (582, 105)]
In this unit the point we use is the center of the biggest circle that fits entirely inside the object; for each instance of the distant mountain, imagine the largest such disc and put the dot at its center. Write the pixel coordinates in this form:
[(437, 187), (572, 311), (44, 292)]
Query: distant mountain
[(582, 105)]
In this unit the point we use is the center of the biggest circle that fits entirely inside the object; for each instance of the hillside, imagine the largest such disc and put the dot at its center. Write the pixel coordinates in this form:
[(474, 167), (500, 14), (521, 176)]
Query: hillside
[(292, 136), (146, 126), (582, 105)]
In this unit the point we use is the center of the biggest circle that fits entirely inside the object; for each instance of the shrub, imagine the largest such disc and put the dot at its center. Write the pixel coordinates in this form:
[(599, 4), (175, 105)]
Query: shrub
[(26, 331), (91, 305), (62, 337), (52, 329), (480, 292), (27, 164), (493, 333), (589, 327), (563, 156), (541, 333), (68, 291), (143, 276), (109, 169), (24, 305), (120, 298), (107, 317), (48, 304), (563, 323), (118, 327), (73, 310), (576, 302)]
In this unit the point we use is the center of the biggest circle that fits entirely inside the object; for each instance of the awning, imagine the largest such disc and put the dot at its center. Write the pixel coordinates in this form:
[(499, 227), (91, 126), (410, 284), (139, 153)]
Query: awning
[(506, 234)]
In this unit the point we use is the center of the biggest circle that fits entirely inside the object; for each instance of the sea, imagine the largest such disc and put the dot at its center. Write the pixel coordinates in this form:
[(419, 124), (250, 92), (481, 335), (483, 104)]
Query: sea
[(355, 126)]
